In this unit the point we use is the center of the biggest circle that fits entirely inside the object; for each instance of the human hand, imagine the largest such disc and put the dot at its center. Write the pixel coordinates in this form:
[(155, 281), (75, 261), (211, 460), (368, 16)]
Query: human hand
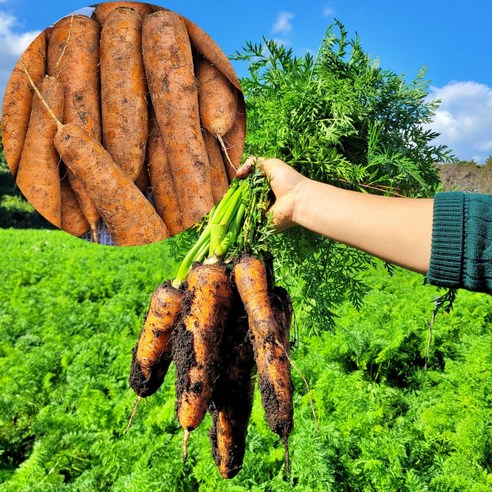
[(285, 183)]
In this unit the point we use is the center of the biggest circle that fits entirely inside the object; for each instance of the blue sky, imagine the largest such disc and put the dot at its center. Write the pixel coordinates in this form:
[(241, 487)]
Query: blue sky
[(451, 38)]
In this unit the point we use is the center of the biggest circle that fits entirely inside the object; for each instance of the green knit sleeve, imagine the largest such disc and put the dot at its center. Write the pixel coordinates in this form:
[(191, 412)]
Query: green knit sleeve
[(462, 242)]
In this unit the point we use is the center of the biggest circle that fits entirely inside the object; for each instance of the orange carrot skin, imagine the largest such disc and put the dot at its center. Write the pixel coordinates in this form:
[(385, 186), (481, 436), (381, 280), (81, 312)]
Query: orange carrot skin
[(232, 399), (196, 341), (153, 352), (16, 106), (235, 139), (143, 180), (218, 173), (170, 76), (38, 175), (73, 57), (164, 192), (208, 48), (123, 90), (268, 339), (217, 98), (128, 215), (104, 9), (73, 219)]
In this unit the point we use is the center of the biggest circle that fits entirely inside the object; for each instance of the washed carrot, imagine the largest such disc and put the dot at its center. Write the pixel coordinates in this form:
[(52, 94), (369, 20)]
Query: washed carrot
[(208, 48), (38, 176), (102, 10), (196, 342), (218, 173), (123, 90), (168, 64), (153, 352), (73, 58), (269, 340), (17, 99), (232, 399), (164, 192)]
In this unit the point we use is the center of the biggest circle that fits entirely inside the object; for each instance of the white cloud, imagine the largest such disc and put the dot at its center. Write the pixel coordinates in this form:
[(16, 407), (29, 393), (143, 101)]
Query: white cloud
[(12, 45), (328, 11), (464, 119), (283, 23)]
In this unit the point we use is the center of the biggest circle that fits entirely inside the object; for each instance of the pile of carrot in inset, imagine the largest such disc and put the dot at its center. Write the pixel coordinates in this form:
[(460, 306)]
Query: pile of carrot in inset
[(102, 113)]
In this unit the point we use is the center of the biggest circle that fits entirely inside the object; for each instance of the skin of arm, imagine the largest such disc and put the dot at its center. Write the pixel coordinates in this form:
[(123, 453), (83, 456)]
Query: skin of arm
[(397, 230)]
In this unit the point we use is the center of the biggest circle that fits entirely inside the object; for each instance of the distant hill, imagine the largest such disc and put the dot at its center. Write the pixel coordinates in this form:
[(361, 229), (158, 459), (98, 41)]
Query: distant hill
[(466, 177)]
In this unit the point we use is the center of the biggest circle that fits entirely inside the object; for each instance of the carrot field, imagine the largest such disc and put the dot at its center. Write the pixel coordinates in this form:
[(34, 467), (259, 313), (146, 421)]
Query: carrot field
[(69, 315)]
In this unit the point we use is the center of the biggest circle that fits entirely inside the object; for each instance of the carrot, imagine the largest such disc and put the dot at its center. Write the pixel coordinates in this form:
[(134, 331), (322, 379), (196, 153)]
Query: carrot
[(218, 173), (196, 342), (142, 181), (153, 351), (232, 399), (170, 75), (102, 10), (128, 215), (16, 106), (73, 57), (164, 193), (209, 49), (269, 339), (38, 175), (235, 139), (123, 89), (217, 98), (73, 220)]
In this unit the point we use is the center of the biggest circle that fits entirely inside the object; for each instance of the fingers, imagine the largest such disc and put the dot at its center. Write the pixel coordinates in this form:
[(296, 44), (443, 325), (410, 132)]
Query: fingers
[(266, 165)]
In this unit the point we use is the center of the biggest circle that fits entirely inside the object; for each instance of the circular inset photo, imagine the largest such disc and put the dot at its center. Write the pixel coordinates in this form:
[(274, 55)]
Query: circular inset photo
[(123, 123)]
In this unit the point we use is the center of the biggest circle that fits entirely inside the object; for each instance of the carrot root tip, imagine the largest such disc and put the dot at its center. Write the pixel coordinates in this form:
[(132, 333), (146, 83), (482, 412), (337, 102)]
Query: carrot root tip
[(185, 445)]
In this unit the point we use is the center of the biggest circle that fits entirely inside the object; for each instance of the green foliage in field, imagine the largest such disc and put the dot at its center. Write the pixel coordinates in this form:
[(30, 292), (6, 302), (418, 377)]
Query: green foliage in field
[(71, 311), (340, 118)]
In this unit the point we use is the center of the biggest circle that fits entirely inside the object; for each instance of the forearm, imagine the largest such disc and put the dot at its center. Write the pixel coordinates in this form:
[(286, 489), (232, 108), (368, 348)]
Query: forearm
[(398, 230)]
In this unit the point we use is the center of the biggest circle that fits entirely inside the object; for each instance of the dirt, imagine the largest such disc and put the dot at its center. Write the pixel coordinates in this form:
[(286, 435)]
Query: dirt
[(233, 393)]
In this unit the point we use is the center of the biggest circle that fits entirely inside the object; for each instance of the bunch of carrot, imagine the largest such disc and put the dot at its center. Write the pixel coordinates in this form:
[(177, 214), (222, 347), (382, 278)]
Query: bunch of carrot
[(101, 112), (219, 320)]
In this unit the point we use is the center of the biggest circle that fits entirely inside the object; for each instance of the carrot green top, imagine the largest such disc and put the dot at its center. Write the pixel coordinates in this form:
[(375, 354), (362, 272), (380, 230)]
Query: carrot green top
[(462, 242)]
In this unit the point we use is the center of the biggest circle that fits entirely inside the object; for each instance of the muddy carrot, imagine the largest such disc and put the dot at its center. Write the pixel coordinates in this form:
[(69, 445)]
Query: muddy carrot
[(153, 352), (268, 338), (196, 342), (208, 48), (38, 176), (102, 10), (73, 58), (123, 90), (164, 192), (73, 219), (235, 139), (218, 173), (16, 106), (232, 399), (170, 76)]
